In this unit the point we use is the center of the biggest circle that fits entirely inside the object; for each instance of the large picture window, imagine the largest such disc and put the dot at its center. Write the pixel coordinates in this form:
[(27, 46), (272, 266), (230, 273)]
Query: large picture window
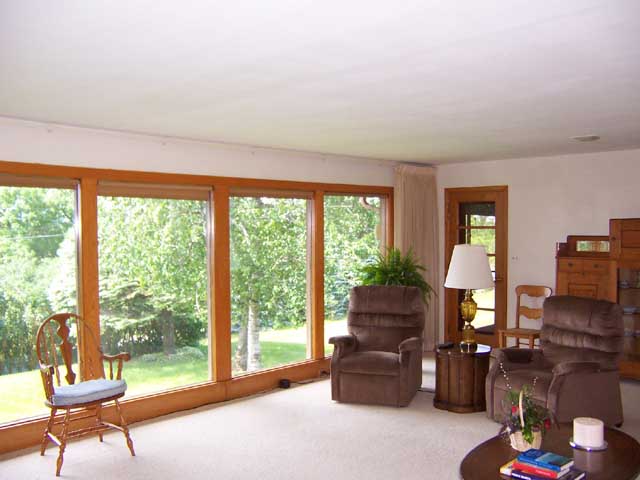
[(216, 286), (354, 234), (154, 288), (37, 277), (269, 281)]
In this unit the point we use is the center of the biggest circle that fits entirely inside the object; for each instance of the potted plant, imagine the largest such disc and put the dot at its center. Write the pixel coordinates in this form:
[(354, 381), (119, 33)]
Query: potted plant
[(393, 268), (525, 421)]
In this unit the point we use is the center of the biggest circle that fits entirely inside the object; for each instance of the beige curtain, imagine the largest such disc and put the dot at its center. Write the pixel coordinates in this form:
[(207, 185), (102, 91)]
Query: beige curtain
[(416, 227)]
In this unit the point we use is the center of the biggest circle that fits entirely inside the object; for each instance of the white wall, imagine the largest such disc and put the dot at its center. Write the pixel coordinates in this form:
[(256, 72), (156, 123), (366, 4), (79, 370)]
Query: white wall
[(34, 142), (549, 198)]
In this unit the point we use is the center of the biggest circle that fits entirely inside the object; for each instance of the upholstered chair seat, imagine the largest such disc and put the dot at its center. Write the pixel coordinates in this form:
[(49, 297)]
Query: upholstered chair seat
[(371, 363), (88, 391)]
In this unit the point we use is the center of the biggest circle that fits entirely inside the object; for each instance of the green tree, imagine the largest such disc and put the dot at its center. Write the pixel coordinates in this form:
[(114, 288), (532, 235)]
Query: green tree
[(352, 229), (153, 272), (268, 270), (33, 224)]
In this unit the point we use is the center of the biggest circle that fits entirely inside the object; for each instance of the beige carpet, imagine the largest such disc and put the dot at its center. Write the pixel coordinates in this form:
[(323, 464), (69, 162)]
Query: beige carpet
[(286, 434)]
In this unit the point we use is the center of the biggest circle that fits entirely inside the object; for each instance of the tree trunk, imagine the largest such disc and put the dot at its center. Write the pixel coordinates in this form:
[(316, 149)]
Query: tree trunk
[(168, 333), (253, 337), (240, 356)]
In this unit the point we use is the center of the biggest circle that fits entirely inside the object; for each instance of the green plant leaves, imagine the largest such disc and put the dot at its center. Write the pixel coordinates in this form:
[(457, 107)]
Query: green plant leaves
[(393, 268)]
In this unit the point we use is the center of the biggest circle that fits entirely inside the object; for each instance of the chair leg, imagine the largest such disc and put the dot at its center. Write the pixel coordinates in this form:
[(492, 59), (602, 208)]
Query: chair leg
[(125, 429), (99, 420), (45, 437), (63, 441)]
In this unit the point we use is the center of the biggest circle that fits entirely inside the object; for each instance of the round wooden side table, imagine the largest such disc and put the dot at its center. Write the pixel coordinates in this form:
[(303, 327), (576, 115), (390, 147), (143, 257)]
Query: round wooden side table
[(460, 379), (620, 461)]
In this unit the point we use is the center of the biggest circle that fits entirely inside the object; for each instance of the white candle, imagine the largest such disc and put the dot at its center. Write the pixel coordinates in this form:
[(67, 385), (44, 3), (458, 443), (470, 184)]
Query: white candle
[(588, 432)]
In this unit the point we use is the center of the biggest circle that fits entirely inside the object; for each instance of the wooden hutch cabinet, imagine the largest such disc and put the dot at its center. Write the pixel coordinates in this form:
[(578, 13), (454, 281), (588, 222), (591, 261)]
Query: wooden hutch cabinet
[(607, 268)]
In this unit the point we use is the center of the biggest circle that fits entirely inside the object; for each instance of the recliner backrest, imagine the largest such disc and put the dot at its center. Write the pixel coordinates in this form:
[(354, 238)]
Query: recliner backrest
[(382, 316), (582, 329)]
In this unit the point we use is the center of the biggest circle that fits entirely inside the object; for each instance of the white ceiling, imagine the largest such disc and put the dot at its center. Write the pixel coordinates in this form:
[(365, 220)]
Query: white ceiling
[(426, 81)]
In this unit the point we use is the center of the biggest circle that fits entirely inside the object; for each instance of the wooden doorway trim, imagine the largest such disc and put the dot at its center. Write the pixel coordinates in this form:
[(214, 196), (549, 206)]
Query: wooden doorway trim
[(453, 198)]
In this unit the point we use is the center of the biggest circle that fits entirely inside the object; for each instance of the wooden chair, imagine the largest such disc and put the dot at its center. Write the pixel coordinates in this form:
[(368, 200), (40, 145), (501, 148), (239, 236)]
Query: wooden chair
[(85, 399), (534, 291)]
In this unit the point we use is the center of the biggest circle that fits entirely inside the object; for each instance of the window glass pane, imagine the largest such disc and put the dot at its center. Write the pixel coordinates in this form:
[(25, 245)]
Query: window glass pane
[(353, 235), (484, 319), (483, 236), (37, 278), (269, 279), (485, 298), (478, 214), (154, 289)]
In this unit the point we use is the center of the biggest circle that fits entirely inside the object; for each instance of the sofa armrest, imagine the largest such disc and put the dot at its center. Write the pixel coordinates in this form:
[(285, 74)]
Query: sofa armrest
[(343, 344), (512, 358), (568, 368)]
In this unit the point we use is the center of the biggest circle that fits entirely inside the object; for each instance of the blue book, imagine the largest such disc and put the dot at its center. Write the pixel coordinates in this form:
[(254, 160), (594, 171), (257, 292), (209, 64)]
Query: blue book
[(543, 459)]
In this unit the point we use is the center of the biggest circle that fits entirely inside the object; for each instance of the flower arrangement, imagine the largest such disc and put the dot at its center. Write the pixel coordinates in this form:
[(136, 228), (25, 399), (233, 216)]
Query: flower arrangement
[(525, 421)]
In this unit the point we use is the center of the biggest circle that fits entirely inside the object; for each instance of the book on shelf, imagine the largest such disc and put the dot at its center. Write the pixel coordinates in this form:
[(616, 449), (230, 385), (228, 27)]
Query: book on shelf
[(549, 460)]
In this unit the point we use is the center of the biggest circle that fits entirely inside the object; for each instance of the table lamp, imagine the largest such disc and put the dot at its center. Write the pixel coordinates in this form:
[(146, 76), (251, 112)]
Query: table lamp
[(469, 270)]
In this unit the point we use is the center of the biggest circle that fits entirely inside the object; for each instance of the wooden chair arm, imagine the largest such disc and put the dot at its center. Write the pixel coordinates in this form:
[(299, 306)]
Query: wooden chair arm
[(120, 358), (47, 372)]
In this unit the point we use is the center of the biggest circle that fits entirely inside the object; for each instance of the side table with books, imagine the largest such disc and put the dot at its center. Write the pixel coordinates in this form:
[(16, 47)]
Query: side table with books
[(620, 461)]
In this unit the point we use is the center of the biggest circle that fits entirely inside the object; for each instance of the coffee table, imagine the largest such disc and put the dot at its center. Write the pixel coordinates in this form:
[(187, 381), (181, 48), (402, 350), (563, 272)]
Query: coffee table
[(620, 461)]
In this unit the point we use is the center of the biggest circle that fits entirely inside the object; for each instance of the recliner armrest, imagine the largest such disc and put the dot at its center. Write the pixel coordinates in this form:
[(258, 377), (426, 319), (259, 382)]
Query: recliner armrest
[(568, 368), (409, 344), (409, 348), (344, 344)]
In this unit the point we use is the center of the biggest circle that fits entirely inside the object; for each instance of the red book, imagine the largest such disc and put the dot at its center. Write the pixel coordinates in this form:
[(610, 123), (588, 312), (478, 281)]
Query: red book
[(542, 472)]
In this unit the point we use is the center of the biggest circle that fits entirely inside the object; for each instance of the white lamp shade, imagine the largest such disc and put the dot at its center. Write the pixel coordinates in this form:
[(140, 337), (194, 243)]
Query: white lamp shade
[(469, 268)]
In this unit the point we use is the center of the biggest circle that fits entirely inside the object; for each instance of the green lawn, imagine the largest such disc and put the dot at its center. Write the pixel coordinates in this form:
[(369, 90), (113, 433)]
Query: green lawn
[(22, 395)]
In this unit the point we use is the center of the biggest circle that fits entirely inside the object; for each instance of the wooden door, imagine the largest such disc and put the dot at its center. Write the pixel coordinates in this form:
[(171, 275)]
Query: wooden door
[(478, 215)]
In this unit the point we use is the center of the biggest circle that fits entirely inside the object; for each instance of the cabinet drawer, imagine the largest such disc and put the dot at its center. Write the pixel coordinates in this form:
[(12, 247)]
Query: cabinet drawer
[(585, 291), (570, 265), (596, 266)]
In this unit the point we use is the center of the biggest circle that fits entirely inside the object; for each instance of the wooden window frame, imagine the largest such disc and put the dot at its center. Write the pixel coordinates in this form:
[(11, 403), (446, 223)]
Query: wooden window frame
[(222, 387)]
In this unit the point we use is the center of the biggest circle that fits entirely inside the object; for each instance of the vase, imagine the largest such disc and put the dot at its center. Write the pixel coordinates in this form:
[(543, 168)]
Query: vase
[(519, 443)]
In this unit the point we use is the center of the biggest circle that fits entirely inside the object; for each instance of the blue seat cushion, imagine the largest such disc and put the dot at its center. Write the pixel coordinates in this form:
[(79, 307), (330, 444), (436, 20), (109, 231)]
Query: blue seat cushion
[(89, 391)]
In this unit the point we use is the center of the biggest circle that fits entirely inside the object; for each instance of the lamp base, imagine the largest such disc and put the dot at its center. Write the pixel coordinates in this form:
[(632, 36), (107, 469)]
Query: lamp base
[(468, 309)]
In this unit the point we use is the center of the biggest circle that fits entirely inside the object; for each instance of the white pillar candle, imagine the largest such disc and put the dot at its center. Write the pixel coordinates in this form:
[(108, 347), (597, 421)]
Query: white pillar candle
[(588, 432)]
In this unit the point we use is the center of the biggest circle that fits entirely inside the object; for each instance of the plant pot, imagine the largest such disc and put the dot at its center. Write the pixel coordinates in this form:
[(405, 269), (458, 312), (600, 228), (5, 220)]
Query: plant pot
[(519, 443)]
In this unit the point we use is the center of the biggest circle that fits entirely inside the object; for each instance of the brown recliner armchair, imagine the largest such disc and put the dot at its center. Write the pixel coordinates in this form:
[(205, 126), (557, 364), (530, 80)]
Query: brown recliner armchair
[(380, 361), (576, 367)]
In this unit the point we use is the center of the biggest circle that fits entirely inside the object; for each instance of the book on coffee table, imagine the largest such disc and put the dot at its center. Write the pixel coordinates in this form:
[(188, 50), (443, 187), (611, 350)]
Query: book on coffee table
[(548, 460), (509, 469)]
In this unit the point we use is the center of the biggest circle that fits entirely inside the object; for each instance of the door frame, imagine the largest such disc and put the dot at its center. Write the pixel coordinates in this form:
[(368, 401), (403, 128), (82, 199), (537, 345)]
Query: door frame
[(453, 198)]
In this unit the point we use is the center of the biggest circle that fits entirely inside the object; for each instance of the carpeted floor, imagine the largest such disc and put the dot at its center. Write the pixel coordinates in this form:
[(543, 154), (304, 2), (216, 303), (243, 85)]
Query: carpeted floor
[(285, 434)]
